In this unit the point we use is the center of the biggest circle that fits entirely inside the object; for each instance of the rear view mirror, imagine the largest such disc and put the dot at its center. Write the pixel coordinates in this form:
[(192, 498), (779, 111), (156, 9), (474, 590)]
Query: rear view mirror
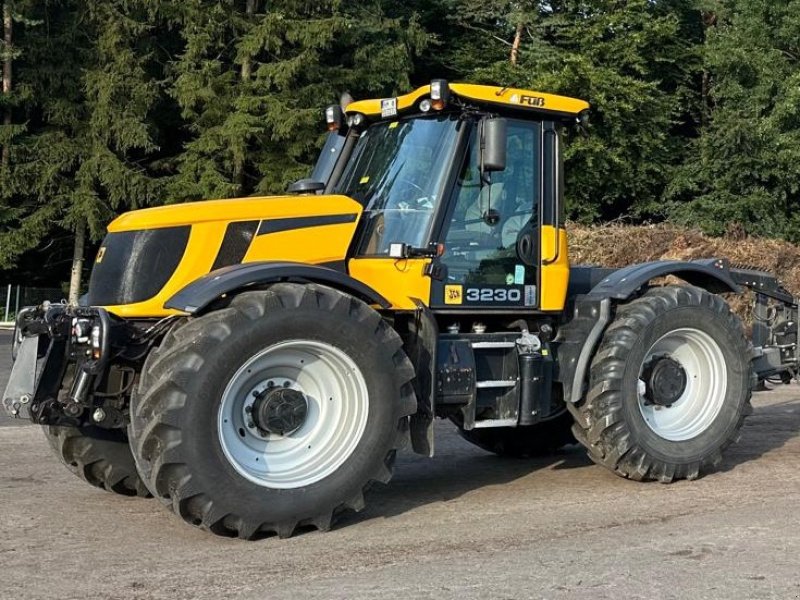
[(494, 136)]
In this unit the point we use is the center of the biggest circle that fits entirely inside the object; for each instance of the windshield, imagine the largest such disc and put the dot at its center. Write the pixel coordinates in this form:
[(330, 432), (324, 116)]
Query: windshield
[(397, 172)]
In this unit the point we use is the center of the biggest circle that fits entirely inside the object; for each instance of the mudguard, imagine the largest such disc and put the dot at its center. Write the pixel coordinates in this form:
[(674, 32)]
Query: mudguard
[(200, 293), (711, 274), (578, 340)]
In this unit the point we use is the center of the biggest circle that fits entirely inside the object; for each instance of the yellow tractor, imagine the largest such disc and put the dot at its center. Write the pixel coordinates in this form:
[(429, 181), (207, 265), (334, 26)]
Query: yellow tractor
[(256, 363)]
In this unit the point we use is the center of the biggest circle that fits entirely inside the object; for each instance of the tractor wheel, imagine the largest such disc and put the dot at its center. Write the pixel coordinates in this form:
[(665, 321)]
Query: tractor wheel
[(100, 457), (274, 413), (524, 442), (669, 387)]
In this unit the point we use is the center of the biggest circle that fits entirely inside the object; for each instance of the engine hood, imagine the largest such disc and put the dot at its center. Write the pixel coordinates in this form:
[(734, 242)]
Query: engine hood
[(240, 209), (150, 254)]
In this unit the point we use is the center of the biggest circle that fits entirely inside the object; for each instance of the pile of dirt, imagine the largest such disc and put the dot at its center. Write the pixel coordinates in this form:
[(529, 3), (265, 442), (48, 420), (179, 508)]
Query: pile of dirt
[(620, 245)]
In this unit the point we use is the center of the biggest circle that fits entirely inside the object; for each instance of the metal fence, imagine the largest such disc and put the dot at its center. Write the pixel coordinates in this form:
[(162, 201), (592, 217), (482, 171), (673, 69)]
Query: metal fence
[(14, 297)]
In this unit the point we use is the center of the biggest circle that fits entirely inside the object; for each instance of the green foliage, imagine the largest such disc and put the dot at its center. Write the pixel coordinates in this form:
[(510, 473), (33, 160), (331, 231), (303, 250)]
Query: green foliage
[(86, 96), (633, 61), (746, 164), (251, 85), (118, 104)]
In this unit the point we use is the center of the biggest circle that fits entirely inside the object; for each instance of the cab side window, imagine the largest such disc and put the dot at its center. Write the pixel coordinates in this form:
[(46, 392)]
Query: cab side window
[(481, 249)]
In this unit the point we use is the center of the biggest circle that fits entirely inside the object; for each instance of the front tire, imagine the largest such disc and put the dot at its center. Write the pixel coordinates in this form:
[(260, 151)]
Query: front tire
[(100, 457), (332, 389), (669, 387)]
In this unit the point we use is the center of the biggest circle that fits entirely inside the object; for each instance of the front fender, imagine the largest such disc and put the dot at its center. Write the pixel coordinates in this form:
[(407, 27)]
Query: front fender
[(200, 293)]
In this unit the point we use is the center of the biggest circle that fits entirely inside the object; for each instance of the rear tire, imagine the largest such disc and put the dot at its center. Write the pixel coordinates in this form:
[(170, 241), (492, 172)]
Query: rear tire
[(645, 426), (200, 451), (102, 458), (524, 442)]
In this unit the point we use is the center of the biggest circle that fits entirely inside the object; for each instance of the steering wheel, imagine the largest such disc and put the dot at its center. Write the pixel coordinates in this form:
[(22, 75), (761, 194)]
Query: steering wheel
[(421, 203)]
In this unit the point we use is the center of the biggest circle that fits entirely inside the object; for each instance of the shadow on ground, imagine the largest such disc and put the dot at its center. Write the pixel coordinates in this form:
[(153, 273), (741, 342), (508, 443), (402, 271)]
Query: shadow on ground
[(770, 427), (457, 469), (460, 468)]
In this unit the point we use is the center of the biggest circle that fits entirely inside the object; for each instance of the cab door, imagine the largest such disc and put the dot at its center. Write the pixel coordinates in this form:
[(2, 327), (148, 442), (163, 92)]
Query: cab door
[(492, 230)]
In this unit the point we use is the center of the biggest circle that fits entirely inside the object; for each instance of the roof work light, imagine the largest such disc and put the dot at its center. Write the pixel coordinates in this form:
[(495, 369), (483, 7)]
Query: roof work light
[(334, 117), (440, 94)]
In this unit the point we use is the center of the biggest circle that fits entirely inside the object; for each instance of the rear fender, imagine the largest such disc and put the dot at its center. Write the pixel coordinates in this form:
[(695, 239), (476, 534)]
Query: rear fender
[(712, 275), (578, 340)]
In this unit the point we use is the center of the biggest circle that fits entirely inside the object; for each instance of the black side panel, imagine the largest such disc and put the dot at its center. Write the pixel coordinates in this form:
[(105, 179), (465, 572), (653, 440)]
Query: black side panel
[(133, 266), (202, 292), (582, 279), (763, 283), (576, 342), (278, 225), (238, 237)]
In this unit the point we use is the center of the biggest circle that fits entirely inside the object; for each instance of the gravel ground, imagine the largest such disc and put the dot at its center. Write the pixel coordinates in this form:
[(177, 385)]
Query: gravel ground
[(462, 525)]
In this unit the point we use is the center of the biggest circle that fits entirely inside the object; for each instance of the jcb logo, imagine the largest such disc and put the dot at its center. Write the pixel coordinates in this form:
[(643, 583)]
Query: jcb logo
[(453, 294)]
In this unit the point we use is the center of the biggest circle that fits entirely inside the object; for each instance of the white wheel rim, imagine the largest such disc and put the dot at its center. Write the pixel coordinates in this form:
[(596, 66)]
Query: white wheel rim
[(706, 385), (337, 399)]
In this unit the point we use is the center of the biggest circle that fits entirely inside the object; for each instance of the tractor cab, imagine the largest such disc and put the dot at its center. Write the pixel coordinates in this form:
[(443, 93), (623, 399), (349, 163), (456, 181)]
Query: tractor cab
[(464, 184)]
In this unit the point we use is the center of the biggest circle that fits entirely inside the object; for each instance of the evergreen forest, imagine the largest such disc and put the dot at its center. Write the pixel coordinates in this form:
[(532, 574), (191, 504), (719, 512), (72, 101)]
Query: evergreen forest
[(113, 105)]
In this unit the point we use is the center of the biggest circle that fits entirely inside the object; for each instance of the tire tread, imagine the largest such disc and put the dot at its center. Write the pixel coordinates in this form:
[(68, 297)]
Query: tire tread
[(599, 424), (103, 463)]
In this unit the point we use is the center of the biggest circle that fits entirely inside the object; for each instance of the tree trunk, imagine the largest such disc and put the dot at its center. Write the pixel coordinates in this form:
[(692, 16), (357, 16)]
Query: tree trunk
[(247, 66), (709, 21), (246, 74), (77, 263), (8, 40), (517, 42)]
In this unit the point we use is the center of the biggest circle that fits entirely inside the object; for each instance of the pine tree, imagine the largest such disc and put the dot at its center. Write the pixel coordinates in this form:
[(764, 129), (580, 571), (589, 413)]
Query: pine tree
[(133, 102), (8, 68), (89, 94), (254, 77), (10, 100), (14, 103), (746, 169)]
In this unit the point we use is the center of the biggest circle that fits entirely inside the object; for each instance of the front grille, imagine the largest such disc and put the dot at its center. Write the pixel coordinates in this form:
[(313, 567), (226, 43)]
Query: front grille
[(133, 266)]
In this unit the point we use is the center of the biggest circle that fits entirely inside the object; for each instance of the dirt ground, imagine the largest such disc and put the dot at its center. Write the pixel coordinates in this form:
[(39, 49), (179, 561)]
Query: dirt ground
[(462, 525)]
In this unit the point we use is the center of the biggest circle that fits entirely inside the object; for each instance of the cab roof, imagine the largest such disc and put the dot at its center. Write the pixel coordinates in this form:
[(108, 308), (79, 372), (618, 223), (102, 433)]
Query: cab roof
[(515, 98)]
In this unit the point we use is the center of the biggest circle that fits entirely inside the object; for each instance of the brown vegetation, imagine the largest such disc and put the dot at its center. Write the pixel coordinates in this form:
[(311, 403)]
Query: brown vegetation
[(619, 245)]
